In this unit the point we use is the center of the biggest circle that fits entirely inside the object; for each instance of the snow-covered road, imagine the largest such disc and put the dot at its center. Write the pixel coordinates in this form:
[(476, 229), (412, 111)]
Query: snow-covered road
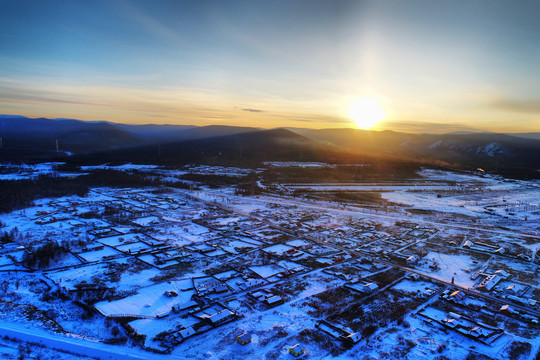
[(77, 345)]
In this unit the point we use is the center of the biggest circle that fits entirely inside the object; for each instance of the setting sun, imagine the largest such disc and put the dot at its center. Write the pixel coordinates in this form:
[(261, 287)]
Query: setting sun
[(366, 113)]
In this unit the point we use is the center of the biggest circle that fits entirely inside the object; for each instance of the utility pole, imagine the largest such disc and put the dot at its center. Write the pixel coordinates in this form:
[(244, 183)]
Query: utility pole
[(56, 145), (1, 144)]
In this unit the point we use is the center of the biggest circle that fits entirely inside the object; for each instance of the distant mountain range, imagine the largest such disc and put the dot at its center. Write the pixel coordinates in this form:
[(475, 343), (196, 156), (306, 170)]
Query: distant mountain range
[(77, 136), (247, 148), (35, 139), (485, 150)]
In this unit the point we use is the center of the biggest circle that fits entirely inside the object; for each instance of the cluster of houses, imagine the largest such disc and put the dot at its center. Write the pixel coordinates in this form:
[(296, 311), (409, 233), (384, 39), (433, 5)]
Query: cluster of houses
[(266, 297), (203, 299), (363, 287), (338, 332), (494, 249), (500, 284), (462, 324)]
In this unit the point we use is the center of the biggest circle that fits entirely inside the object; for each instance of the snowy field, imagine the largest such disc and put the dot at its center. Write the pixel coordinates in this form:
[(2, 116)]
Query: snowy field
[(148, 302)]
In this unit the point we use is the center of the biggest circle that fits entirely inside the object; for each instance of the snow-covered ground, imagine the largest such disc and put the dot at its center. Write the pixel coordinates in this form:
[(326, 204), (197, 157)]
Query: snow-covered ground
[(205, 249)]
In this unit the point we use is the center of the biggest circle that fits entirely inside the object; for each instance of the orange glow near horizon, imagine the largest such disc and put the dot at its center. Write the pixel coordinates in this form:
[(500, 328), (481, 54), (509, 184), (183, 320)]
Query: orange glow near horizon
[(366, 113)]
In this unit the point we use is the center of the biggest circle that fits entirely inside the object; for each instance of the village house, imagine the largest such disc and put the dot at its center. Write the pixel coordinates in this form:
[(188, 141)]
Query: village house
[(371, 287), (273, 301), (219, 317), (457, 296), (492, 280), (243, 339), (187, 332), (296, 350)]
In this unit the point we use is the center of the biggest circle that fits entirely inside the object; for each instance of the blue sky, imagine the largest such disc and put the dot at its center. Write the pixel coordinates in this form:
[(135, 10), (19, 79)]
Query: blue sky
[(431, 65)]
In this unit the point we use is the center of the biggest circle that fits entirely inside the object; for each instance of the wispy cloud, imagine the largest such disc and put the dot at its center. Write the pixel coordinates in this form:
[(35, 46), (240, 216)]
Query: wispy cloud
[(135, 105), (154, 26), (317, 120), (425, 127), (531, 106)]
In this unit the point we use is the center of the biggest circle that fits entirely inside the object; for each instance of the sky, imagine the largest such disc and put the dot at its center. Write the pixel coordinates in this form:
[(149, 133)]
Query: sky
[(429, 66)]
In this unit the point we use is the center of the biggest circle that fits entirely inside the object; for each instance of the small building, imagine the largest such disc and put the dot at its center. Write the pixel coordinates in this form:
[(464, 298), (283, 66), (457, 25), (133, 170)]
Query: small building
[(187, 332), (506, 309), (220, 289), (243, 339), (502, 273), (220, 317), (453, 315), (489, 282), (413, 259), (93, 247), (477, 332), (468, 244), (371, 287), (184, 306), (162, 315), (170, 293), (296, 350), (457, 296), (445, 294), (354, 337), (523, 257), (273, 301), (451, 323)]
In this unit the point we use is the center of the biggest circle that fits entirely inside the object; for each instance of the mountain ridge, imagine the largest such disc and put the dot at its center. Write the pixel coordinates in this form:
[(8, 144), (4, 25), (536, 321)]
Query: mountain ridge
[(150, 142)]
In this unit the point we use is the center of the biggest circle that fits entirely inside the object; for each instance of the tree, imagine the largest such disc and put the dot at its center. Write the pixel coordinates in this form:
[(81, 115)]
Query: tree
[(22, 351), (42, 256), (369, 330), (115, 331), (4, 285)]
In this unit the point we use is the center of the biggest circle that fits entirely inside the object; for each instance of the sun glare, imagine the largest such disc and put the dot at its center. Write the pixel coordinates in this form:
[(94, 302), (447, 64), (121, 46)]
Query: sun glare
[(366, 113)]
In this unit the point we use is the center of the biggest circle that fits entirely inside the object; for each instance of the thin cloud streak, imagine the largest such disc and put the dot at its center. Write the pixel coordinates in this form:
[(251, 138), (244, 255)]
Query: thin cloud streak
[(253, 110), (137, 106), (518, 106), (426, 127)]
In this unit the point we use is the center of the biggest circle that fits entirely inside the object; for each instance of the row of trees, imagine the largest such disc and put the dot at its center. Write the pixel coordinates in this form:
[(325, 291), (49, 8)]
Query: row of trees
[(18, 194), (42, 256), (9, 236)]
